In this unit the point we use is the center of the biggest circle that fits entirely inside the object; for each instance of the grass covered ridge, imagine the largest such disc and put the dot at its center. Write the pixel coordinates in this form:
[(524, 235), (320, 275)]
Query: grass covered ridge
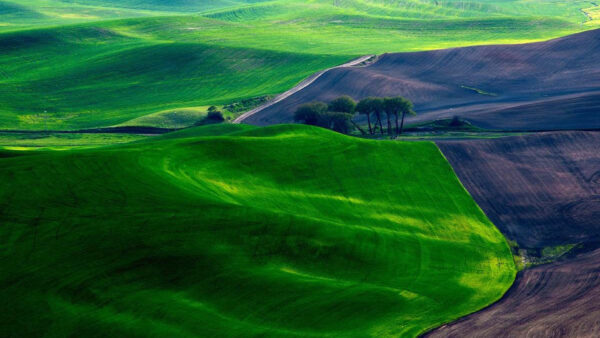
[(279, 231)]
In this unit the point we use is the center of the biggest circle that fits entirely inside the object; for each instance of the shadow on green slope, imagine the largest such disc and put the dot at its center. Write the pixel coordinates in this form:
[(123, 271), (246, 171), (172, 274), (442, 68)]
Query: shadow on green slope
[(287, 230)]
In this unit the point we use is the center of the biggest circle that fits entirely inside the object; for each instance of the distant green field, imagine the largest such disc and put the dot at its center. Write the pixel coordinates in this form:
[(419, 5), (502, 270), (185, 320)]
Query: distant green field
[(281, 231), (89, 76), (33, 141), (16, 14), (94, 63)]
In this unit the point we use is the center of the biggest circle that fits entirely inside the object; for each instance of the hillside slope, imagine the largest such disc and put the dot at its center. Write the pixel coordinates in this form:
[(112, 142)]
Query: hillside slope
[(25, 14), (89, 76), (542, 191), (282, 231), (540, 86)]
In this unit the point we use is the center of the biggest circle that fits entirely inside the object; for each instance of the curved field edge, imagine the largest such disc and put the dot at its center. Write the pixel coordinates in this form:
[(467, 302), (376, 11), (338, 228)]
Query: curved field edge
[(286, 230), (555, 299), (509, 170), (551, 300), (432, 330)]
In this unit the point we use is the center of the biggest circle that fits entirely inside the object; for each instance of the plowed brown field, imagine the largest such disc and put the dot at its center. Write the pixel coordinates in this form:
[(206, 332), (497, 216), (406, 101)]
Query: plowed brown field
[(540, 190), (551, 85), (555, 300)]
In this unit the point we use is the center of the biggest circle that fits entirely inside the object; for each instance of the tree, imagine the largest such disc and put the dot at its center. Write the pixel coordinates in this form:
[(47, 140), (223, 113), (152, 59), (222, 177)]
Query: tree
[(336, 116), (341, 112), (213, 116), (390, 108), (377, 108), (340, 122), (343, 104), (364, 107), (311, 113), (393, 106), (455, 122), (406, 107)]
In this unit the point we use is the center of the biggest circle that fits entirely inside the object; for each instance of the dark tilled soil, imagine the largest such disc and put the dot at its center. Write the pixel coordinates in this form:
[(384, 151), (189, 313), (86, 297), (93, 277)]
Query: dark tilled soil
[(556, 300), (540, 189), (552, 85)]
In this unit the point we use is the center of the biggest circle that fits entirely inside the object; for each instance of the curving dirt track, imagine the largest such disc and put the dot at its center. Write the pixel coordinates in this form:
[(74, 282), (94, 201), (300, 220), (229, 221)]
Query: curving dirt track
[(558, 80), (555, 300), (540, 190), (303, 84)]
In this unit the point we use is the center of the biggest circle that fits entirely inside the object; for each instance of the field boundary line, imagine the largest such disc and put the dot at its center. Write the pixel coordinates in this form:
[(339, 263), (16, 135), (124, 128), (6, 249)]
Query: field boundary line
[(303, 84)]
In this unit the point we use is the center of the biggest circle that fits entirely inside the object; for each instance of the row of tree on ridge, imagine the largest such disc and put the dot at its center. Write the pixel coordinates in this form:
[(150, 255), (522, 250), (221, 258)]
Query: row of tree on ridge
[(338, 114)]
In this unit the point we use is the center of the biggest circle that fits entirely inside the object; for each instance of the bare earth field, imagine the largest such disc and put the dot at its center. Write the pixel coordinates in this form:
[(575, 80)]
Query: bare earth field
[(551, 85), (555, 300), (540, 190)]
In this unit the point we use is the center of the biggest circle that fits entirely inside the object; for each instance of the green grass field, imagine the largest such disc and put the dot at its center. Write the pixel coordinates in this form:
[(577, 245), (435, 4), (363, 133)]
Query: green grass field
[(60, 141), (232, 230), (278, 231), (88, 76), (70, 65)]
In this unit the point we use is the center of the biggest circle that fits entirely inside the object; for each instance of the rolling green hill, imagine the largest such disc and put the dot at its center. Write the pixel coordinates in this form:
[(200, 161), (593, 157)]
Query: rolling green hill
[(135, 58), (279, 231), (89, 76), (18, 14), (39, 12), (162, 5)]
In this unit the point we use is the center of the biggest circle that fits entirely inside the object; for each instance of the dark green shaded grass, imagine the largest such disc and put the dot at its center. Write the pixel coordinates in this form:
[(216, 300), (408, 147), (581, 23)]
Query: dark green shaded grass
[(10, 12), (281, 231)]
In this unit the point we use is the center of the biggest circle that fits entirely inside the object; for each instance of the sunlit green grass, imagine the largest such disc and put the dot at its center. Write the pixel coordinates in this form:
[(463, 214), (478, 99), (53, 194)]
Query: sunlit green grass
[(282, 231), (20, 14), (340, 33), (90, 76), (160, 56), (63, 141)]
